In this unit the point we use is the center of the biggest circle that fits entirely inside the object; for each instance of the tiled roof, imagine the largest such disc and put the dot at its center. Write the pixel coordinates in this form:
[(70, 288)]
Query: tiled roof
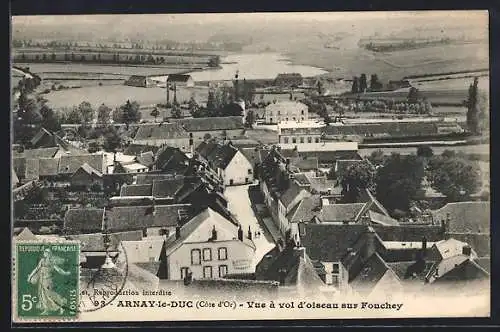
[(382, 219), (290, 194), (485, 263), (37, 153), (167, 188), (40, 135), (49, 166), (322, 184), (32, 169), (83, 220), (301, 179), (465, 217), (329, 242), (70, 163), (140, 217), (136, 190), (95, 242), (297, 267), (252, 155), (286, 106), (178, 78), (204, 149), (305, 164), (211, 124), (89, 170), (146, 158), (220, 155), (137, 149), (19, 165), (481, 243), (150, 177), (466, 271), (372, 271), (339, 212), (14, 178), (171, 159), (160, 131), (306, 209), (409, 233)]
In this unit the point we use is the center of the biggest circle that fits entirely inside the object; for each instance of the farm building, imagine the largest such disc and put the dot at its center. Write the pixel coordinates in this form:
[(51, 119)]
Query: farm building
[(286, 111), (181, 80), (215, 127), (140, 81), (159, 134)]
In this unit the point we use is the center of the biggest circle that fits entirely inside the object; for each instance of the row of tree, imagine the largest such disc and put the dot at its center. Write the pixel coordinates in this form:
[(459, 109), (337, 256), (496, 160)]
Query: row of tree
[(360, 84), (397, 179)]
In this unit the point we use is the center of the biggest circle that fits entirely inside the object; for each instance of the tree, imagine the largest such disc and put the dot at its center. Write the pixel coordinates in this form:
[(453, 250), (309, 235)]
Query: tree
[(112, 141), (377, 157), (104, 115), (355, 85), (74, 116), (362, 83), (87, 112), (454, 177), (425, 151), (477, 109), (192, 104), (250, 119), (51, 121), (398, 181), (356, 178), (130, 113), (211, 101), (413, 95), (176, 112), (375, 84), (155, 113)]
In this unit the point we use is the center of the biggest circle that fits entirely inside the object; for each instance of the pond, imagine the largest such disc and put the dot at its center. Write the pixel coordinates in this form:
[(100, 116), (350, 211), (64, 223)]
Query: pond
[(254, 66)]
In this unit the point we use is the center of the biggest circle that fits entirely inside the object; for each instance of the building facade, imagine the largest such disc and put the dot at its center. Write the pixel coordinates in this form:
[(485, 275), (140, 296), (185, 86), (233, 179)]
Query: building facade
[(286, 111)]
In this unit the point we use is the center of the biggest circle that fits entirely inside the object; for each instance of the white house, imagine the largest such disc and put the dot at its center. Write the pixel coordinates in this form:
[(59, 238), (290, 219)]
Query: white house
[(227, 161), (286, 111), (208, 246)]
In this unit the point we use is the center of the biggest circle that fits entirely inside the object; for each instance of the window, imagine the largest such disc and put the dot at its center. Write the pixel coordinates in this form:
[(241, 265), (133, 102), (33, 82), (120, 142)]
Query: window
[(302, 112), (222, 254), (286, 119), (302, 118), (184, 272), (302, 140), (207, 272), (207, 254), (195, 257), (286, 140), (222, 271), (249, 171), (271, 120), (316, 139), (293, 118), (294, 140), (335, 268), (309, 140), (279, 112)]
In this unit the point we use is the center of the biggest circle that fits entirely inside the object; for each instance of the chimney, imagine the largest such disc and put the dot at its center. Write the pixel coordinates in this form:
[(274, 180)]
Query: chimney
[(370, 246), (249, 233), (214, 234), (466, 250), (301, 251), (177, 231), (240, 233)]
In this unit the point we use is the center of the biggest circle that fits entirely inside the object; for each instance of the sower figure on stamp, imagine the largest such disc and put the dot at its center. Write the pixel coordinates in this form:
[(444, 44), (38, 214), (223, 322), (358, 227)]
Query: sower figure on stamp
[(48, 299)]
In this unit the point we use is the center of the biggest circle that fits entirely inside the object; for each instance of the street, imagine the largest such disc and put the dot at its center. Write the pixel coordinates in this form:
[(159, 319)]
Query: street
[(240, 205)]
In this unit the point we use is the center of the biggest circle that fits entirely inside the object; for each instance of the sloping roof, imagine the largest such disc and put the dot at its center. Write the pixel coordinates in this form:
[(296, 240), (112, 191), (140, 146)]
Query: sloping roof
[(204, 149), (171, 159), (290, 194), (146, 158), (339, 212), (297, 266), (382, 219), (70, 163), (372, 271), (37, 153), (480, 242), (305, 164), (40, 135), (25, 234), (371, 205), (465, 217), (465, 271), (148, 178), (211, 124), (95, 242), (14, 178), (89, 170), (329, 242), (49, 166), (160, 131), (306, 209), (252, 155), (409, 233), (136, 190), (32, 171), (137, 149), (178, 78), (19, 165), (286, 106), (322, 184), (83, 220), (140, 217), (167, 188), (301, 179)]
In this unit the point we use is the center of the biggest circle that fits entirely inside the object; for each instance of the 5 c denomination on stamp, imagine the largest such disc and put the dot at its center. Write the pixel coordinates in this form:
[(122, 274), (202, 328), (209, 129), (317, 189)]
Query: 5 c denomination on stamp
[(46, 280)]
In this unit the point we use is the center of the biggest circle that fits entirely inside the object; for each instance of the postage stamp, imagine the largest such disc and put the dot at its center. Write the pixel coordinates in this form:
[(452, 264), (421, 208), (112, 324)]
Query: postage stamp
[(46, 280)]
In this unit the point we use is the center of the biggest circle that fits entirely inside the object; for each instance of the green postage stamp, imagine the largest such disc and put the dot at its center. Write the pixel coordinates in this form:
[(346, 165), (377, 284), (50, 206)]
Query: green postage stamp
[(46, 280)]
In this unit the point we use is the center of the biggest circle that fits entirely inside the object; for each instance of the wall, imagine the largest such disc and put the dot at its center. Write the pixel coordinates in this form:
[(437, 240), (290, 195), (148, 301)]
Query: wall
[(299, 138), (181, 143), (238, 170), (83, 179), (237, 252), (287, 115), (199, 136), (283, 222)]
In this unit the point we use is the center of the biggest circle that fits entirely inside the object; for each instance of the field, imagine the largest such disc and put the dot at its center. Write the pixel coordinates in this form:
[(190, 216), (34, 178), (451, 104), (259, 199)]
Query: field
[(116, 95), (395, 65), (483, 149), (434, 97)]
